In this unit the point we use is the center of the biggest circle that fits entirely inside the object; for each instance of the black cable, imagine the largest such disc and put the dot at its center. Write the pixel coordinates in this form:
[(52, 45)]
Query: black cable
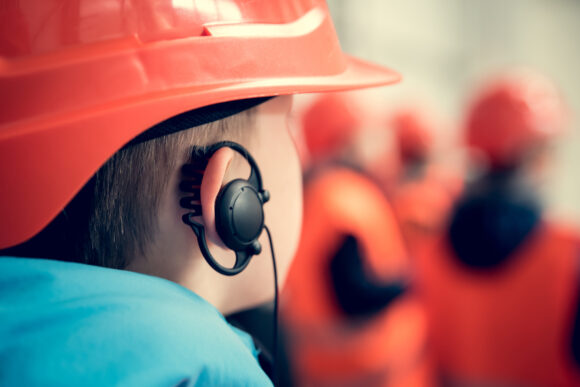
[(275, 317)]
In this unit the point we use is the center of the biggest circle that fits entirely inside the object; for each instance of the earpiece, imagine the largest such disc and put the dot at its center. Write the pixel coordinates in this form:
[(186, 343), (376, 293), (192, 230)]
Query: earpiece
[(239, 211)]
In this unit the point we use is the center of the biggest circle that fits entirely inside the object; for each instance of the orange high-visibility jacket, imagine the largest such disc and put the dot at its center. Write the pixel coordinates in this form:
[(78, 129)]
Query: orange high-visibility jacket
[(326, 345), (511, 325)]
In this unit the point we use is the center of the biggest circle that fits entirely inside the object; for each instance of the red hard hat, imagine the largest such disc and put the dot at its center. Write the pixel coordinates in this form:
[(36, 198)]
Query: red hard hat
[(415, 135), (513, 114), (79, 79), (329, 123)]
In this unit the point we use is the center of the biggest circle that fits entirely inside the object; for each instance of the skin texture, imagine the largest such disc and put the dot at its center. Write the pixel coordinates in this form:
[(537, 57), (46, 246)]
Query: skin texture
[(174, 253)]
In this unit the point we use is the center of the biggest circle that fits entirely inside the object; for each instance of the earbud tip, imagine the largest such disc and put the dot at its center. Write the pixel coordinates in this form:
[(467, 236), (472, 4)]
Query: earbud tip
[(255, 248), (265, 196)]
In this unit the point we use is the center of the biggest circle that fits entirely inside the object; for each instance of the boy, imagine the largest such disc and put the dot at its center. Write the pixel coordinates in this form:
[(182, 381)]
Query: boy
[(102, 106)]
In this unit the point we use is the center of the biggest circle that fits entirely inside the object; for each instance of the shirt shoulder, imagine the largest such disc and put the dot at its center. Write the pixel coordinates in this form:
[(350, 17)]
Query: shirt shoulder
[(75, 324)]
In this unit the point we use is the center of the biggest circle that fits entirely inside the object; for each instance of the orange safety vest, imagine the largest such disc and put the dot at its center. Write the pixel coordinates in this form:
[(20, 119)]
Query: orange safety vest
[(422, 206), (511, 326), (327, 347)]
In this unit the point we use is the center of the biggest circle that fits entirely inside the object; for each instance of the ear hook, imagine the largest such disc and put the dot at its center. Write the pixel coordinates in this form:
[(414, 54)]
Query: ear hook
[(242, 257), (255, 178), (194, 171)]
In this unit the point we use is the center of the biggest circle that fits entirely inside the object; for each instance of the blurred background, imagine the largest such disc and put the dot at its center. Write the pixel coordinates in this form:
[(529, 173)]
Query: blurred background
[(431, 280), (446, 48), (418, 263)]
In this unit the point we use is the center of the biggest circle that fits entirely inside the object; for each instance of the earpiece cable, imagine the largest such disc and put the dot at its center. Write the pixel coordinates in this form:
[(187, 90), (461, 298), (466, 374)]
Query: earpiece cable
[(275, 316)]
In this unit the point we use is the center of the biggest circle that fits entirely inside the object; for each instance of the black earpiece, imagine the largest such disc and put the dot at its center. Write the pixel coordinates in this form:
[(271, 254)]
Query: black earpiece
[(239, 211)]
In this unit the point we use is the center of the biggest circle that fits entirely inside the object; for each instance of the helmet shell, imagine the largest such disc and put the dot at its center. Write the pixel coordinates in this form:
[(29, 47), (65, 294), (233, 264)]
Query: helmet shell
[(414, 133), (329, 123), (513, 114)]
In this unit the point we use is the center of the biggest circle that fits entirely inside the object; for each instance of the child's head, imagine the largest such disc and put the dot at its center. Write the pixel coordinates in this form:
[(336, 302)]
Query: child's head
[(513, 121), (85, 93), (175, 253)]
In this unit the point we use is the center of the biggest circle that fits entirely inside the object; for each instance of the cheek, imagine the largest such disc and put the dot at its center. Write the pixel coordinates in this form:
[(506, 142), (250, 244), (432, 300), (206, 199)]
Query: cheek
[(283, 178)]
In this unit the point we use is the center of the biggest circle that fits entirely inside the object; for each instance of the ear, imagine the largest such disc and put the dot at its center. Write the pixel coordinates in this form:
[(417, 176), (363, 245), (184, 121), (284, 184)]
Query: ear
[(211, 184)]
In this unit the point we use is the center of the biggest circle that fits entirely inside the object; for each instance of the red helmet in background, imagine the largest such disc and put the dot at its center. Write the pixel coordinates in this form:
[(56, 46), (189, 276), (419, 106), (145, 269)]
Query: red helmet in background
[(81, 78), (512, 115), (415, 135), (329, 123)]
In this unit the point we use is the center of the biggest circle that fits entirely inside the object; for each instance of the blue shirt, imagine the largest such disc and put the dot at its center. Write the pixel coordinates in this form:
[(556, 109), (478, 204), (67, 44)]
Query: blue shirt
[(71, 324)]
